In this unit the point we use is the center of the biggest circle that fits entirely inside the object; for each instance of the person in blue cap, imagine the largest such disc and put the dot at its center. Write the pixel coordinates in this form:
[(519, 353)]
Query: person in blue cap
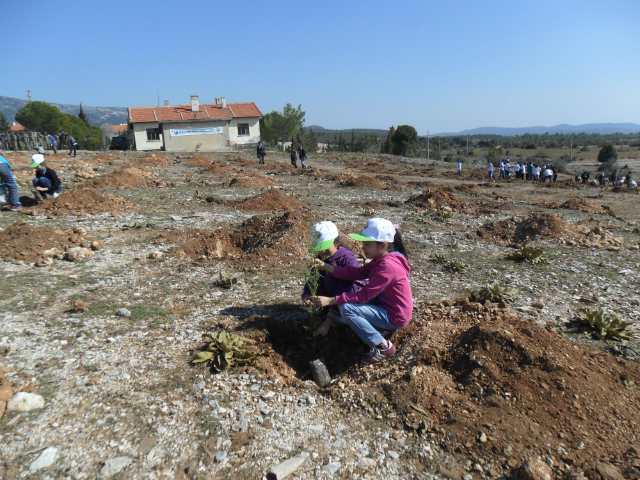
[(9, 182), (46, 181)]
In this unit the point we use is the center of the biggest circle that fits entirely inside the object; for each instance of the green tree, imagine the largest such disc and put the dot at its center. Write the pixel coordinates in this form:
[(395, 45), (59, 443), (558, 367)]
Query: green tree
[(83, 116), (387, 145), (39, 117), (276, 126), (5, 126), (404, 140), (494, 156), (607, 152)]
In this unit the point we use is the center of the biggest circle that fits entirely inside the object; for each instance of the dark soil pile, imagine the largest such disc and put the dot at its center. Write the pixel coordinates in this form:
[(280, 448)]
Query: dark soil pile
[(250, 179), (126, 177), (258, 242), (80, 202), (241, 160), (589, 207), (435, 199), (380, 205), (270, 201), (22, 243), (217, 168), (529, 227), (472, 370)]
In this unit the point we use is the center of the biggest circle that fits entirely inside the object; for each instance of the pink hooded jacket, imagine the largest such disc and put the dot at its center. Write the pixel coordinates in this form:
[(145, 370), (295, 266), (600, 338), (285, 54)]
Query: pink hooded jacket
[(388, 286)]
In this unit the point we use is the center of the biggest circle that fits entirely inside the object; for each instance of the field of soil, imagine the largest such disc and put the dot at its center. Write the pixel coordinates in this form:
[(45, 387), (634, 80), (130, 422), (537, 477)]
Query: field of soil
[(108, 289)]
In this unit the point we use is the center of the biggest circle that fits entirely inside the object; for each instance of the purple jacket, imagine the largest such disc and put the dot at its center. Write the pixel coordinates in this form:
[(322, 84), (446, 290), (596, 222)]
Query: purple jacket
[(388, 286), (330, 286)]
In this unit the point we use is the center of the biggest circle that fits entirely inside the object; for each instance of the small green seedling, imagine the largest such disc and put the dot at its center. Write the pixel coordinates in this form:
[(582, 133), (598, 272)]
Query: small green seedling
[(494, 293), (226, 350), (525, 253), (604, 324)]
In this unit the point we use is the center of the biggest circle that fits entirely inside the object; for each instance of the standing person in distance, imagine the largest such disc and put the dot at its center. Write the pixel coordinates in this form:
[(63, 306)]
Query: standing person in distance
[(53, 142), (73, 146), (529, 170), (46, 181), (294, 157), (507, 167), (490, 169), (9, 182), (302, 153), (459, 168), (261, 153), (516, 168), (501, 169), (386, 302)]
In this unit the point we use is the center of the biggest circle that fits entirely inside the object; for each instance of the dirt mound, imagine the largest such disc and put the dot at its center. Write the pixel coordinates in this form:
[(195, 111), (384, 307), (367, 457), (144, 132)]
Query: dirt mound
[(241, 160), (153, 160), (254, 244), (350, 178), (105, 158), (217, 168), (379, 205), (127, 177), (435, 199), (80, 202), (22, 243), (197, 160), (480, 369), (270, 201), (533, 226), (589, 207), (250, 179)]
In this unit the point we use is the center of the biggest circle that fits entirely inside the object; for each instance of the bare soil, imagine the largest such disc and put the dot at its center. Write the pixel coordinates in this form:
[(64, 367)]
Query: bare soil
[(79, 203), (436, 199), (270, 201)]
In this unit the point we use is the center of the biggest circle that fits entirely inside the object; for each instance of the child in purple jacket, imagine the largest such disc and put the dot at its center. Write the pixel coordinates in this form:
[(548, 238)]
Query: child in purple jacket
[(326, 243), (386, 302)]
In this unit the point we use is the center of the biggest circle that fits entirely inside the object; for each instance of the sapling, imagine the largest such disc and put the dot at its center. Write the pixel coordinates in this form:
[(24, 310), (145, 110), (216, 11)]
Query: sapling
[(312, 279)]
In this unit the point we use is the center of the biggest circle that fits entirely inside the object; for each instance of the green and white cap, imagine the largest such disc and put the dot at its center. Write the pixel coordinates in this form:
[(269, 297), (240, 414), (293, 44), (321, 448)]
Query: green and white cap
[(36, 159), (377, 230), (322, 235)]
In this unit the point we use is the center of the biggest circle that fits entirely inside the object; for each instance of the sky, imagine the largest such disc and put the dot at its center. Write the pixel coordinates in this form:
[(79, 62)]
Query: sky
[(440, 66)]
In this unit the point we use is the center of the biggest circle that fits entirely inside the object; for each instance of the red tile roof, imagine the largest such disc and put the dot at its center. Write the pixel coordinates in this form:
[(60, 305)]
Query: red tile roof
[(183, 112), (17, 128), (115, 128)]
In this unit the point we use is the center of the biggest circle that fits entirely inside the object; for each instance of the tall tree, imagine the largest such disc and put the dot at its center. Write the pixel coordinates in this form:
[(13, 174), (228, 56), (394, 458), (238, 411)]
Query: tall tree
[(83, 116), (280, 126), (5, 126), (607, 152), (387, 145), (39, 116), (404, 140)]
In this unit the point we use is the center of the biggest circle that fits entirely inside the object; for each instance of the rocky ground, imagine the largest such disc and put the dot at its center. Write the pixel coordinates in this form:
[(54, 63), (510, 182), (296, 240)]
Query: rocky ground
[(108, 289)]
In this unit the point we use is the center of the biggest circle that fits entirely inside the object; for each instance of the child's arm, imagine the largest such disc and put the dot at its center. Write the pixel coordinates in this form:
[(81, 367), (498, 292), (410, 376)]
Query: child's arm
[(346, 273), (378, 283)]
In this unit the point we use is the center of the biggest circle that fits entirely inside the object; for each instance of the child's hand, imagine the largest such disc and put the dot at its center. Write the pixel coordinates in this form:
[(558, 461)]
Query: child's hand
[(324, 328), (320, 265), (323, 301), (306, 302)]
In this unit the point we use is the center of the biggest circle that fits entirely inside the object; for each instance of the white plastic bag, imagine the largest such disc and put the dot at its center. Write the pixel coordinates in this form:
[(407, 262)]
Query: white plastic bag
[(4, 195)]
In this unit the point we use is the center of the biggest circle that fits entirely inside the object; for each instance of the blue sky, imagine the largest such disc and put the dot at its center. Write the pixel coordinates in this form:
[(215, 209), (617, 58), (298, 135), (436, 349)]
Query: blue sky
[(439, 66)]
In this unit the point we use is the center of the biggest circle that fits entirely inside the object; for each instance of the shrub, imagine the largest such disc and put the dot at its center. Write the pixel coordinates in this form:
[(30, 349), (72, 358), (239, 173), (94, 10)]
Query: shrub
[(607, 152)]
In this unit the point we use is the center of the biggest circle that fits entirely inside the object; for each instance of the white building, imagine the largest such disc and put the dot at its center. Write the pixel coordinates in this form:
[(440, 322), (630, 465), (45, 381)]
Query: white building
[(195, 127)]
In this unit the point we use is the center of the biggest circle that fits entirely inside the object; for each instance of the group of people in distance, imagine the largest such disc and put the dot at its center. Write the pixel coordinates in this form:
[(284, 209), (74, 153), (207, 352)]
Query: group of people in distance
[(602, 179), (295, 154), (45, 181), (375, 299), (529, 172)]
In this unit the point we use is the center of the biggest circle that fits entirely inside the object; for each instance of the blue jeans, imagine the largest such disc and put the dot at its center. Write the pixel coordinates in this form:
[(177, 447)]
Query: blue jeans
[(44, 182), (10, 182), (304, 165), (491, 174), (365, 320)]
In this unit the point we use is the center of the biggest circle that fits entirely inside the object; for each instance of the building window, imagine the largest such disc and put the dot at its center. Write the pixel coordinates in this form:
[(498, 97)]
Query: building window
[(153, 134), (243, 129)]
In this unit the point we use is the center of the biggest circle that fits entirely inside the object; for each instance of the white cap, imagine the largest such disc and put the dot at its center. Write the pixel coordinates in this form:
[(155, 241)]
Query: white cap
[(36, 159), (322, 235), (377, 230)]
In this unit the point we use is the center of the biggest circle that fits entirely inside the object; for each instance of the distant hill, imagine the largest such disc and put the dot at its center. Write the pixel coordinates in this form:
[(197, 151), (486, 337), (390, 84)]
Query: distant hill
[(347, 131), (603, 128), (97, 115)]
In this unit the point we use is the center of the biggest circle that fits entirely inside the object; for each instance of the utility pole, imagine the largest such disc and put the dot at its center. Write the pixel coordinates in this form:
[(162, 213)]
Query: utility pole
[(467, 144), (29, 95), (439, 151), (427, 144), (571, 147)]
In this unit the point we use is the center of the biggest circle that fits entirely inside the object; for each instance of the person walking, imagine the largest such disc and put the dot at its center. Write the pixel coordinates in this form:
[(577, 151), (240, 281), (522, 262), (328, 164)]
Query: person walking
[(459, 168), (53, 142), (261, 153), (501, 169), (294, 157), (73, 146), (9, 182), (302, 153), (490, 170), (507, 168), (555, 174)]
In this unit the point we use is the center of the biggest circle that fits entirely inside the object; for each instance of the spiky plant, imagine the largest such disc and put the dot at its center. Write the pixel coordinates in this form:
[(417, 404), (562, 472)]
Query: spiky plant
[(367, 212), (525, 253), (227, 281), (604, 324), (439, 258), (456, 266), (226, 350), (495, 293)]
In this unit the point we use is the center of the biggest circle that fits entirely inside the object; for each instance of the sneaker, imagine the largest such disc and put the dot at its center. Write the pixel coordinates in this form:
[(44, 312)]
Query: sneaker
[(15, 207), (377, 354)]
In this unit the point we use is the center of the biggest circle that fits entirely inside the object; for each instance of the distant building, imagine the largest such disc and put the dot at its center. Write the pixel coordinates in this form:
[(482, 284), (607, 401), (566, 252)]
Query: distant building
[(195, 127), (114, 130), (16, 127)]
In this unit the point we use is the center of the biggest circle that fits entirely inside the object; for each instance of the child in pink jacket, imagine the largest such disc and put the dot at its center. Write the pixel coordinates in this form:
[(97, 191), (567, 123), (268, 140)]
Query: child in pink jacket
[(385, 304)]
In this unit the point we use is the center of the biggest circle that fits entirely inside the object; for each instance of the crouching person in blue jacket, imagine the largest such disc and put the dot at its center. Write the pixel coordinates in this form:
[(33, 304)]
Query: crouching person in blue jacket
[(9, 182), (46, 181)]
